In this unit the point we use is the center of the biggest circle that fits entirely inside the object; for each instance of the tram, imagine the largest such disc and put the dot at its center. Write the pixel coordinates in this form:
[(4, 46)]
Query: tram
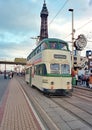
[(49, 67)]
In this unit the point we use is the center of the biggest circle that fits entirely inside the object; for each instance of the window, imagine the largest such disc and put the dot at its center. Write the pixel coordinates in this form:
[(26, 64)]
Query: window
[(65, 69), (53, 45), (40, 70), (34, 52), (55, 68), (38, 49), (27, 71), (62, 46), (44, 46)]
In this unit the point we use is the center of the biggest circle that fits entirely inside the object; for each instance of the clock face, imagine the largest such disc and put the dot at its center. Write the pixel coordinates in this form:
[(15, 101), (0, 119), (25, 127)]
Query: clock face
[(81, 42)]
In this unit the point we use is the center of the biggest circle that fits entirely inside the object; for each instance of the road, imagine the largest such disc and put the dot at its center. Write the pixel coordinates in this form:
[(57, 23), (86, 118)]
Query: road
[(3, 86), (60, 113)]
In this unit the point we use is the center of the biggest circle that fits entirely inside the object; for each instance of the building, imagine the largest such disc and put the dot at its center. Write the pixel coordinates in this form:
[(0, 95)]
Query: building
[(84, 62), (44, 22)]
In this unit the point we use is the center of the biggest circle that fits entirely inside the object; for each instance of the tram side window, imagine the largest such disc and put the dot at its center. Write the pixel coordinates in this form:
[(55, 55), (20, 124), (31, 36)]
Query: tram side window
[(38, 49), (34, 53), (40, 70), (65, 69), (27, 71), (44, 70), (44, 46)]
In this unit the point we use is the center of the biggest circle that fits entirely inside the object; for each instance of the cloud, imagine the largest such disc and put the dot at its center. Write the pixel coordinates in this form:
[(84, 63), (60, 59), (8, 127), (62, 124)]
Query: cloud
[(18, 15), (12, 49), (20, 20), (90, 3)]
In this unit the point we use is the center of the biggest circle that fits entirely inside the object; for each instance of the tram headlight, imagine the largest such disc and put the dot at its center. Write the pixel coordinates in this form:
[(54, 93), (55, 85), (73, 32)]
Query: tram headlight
[(68, 85), (52, 83)]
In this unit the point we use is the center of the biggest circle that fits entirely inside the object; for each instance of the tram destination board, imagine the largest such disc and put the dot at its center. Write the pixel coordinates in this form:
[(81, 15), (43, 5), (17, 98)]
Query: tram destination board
[(59, 56)]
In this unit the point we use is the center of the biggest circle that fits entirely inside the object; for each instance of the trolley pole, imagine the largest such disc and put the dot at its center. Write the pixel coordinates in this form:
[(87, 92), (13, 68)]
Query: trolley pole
[(71, 10)]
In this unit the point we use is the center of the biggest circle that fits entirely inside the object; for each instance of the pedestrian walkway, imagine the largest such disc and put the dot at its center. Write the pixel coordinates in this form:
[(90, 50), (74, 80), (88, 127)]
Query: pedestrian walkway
[(17, 113)]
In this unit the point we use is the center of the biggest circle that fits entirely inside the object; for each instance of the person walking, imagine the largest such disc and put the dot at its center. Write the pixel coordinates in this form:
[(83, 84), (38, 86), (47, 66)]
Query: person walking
[(5, 77), (76, 75), (90, 81)]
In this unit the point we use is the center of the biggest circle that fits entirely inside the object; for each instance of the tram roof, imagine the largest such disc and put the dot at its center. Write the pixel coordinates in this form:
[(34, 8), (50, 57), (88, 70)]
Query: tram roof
[(49, 39), (52, 39)]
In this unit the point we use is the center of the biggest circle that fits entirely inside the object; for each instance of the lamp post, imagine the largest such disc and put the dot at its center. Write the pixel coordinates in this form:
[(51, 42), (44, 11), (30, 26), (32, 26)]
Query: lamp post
[(71, 10)]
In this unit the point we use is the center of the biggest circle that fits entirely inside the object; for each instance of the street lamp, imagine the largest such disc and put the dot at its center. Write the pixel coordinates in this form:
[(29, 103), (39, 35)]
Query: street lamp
[(71, 10)]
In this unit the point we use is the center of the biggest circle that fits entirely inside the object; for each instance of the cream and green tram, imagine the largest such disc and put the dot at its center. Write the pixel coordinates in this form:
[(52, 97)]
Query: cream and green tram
[(50, 67)]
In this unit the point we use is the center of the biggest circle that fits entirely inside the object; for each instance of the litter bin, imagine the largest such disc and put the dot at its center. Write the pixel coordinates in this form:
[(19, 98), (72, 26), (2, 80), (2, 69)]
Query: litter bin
[(73, 81)]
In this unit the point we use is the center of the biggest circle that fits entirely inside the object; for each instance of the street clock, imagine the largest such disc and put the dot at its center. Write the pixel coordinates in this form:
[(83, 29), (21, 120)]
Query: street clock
[(80, 42)]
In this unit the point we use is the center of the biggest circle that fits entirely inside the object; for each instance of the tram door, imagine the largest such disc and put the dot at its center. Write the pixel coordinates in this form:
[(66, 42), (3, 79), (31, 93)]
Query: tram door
[(30, 75)]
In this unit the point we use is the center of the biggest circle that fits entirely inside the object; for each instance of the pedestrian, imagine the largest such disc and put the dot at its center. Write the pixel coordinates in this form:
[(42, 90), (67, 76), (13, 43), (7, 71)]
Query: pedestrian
[(12, 74), (90, 81), (80, 76), (5, 75), (72, 72), (87, 82), (76, 75)]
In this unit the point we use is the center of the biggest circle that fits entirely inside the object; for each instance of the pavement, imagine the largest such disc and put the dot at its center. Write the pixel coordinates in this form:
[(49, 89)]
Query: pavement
[(16, 113)]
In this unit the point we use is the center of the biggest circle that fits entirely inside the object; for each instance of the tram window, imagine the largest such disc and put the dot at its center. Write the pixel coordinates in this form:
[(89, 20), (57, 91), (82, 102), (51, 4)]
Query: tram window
[(37, 70), (44, 71), (55, 68), (65, 69), (34, 53), (44, 46), (40, 70), (26, 71), (62, 46), (38, 49), (53, 45)]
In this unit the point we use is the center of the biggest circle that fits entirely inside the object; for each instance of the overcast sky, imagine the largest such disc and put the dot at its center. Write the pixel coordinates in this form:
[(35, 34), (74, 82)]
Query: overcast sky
[(20, 20)]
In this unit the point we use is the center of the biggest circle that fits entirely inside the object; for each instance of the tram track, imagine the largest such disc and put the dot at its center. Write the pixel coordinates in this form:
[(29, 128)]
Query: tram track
[(75, 110), (48, 123), (83, 91), (82, 97), (60, 103)]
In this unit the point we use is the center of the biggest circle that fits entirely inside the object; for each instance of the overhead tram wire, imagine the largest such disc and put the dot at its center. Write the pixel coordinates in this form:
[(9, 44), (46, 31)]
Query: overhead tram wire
[(58, 11), (85, 24), (80, 27)]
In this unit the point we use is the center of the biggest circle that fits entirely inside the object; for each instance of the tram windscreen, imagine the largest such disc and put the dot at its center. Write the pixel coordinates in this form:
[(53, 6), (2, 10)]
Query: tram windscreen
[(65, 69), (55, 68), (62, 46), (57, 45)]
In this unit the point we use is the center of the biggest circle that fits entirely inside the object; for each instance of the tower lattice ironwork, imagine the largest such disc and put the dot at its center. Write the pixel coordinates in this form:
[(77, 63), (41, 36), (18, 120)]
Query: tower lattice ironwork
[(44, 22)]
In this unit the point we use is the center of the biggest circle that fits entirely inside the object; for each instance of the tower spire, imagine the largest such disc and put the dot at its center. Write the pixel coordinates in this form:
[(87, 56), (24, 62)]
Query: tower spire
[(44, 26)]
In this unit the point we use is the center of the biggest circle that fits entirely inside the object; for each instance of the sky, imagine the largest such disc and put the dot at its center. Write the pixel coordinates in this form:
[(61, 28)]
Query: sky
[(20, 22)]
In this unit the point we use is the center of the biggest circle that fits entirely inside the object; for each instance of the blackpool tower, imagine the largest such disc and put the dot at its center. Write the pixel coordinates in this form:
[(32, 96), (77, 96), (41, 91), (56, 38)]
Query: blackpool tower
[(44, 22)]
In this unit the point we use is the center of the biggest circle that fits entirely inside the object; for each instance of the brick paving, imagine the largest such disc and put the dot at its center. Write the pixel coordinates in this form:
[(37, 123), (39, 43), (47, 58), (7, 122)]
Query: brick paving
[(17, 113)]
